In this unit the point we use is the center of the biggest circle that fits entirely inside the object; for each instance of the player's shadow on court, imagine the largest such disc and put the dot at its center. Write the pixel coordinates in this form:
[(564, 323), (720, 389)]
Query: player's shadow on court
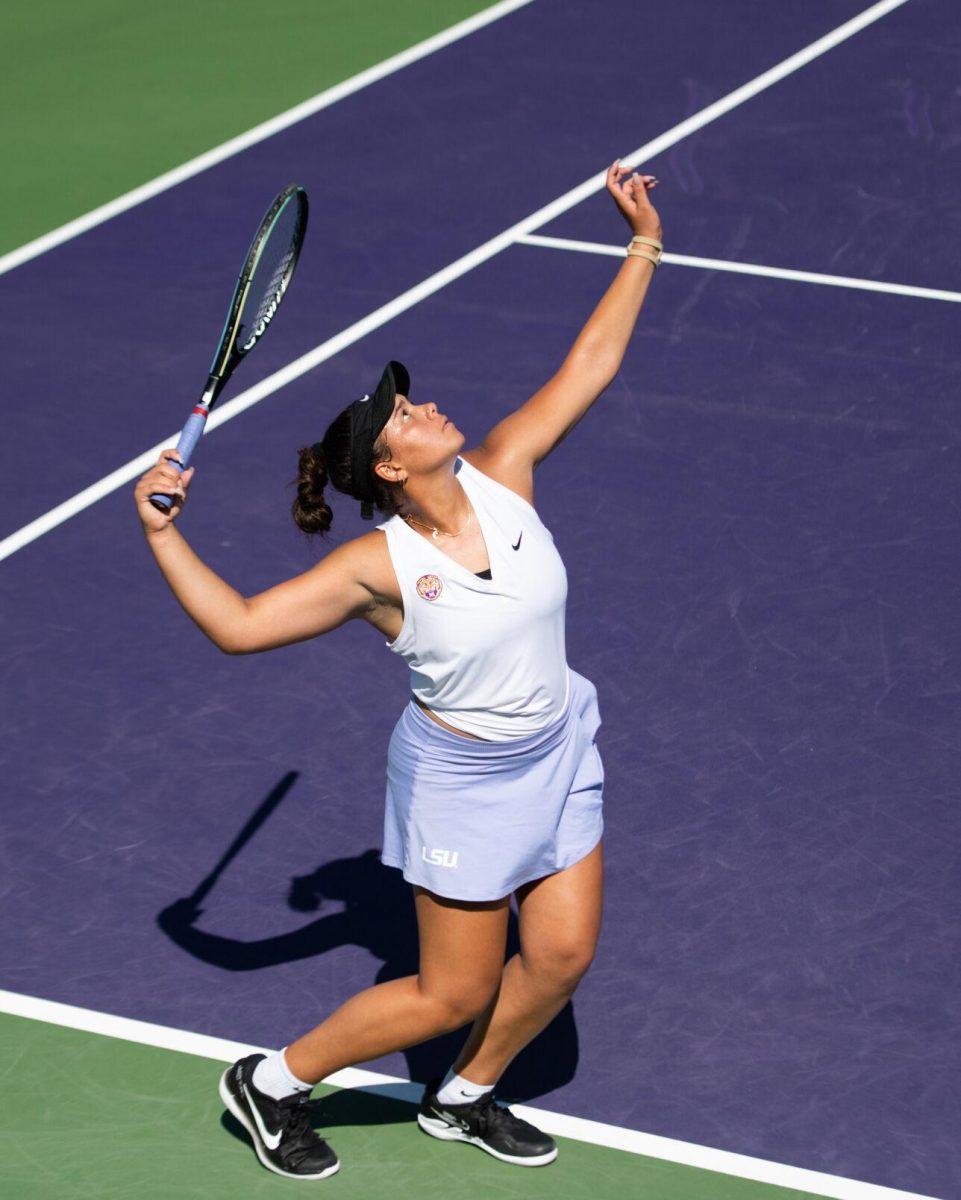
[(375, 910)]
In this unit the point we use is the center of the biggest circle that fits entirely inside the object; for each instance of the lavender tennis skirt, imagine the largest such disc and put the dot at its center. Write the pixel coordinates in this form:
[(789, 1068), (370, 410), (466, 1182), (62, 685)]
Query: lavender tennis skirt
[(473, 820)]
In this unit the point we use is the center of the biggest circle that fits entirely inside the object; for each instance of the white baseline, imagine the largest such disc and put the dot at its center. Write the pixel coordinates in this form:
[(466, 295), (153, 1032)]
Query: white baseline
[(616, 1137), (427, 287)]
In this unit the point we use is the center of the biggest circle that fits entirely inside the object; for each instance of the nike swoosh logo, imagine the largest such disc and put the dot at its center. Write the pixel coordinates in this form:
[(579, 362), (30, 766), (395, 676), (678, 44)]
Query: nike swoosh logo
[(517, 547), (271, 1140), (450, 1118)]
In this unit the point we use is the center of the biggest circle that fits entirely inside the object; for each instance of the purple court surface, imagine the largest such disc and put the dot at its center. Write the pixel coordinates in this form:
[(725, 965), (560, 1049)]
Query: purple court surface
[(759, 521)]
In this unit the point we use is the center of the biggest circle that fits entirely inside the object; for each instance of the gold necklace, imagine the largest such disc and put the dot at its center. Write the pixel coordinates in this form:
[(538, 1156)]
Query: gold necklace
[(408, 518)]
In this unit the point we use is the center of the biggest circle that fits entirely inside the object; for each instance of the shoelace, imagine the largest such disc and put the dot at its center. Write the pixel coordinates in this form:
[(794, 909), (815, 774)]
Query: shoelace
[(491, 1114), (298, 1126)]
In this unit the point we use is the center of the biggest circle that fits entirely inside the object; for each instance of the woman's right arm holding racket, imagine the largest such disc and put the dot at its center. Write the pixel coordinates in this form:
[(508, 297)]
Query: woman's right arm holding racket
[(315, 602)]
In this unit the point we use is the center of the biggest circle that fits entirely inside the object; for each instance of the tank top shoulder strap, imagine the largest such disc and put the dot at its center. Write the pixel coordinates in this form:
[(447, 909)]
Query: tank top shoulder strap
[(495, 491), (397, 545)]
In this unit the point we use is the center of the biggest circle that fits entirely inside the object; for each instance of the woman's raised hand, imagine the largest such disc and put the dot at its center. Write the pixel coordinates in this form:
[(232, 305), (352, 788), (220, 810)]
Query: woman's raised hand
[(631, 197), (162, 478)]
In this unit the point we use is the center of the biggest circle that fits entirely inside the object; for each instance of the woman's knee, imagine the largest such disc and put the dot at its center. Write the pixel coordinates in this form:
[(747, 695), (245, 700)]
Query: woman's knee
[(560, 966), (458, 1003), (560, 922)]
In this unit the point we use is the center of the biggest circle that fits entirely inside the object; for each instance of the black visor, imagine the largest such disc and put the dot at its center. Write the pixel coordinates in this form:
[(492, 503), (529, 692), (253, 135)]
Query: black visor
[(368, 416)]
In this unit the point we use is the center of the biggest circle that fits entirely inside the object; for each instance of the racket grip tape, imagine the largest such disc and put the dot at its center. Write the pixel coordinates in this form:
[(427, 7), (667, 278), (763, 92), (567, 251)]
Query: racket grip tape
[(190, 435)]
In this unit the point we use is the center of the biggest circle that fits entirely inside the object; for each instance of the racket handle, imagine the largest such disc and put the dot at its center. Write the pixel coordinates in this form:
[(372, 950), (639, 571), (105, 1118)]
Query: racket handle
[(190, 435)]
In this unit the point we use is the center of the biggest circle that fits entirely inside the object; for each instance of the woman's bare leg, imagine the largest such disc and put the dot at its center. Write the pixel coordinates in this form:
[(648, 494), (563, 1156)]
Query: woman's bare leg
[(560, 920), (461, 959)]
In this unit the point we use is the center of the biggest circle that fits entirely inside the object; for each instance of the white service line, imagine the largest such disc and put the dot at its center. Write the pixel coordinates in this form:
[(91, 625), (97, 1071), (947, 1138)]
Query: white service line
[(435, 282), (739, 268), (741, 1166), (266, 129)]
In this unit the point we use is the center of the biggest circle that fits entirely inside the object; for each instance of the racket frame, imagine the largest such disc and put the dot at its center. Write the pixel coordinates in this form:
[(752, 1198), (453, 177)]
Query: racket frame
[(228, 353)]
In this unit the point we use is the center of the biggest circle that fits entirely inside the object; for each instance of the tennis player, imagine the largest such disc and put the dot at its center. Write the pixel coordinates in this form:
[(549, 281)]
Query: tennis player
[(494, 780)]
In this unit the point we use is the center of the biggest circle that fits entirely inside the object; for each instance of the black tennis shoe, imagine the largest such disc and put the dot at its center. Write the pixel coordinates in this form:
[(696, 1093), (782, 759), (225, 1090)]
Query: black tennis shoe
[(492, 1127), (282, 1131)]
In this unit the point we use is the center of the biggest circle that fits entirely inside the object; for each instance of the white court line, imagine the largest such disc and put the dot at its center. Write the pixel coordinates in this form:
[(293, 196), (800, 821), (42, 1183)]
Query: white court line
[(427, 287), (266, 129), (721, 264), (615, 1137)]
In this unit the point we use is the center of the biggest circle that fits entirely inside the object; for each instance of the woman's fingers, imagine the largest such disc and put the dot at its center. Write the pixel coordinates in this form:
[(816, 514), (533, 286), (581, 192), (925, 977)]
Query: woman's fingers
[(617, 169), (613, 175), (622, 196), (616, 175), (166, 479), (629, 191), (164, 472)]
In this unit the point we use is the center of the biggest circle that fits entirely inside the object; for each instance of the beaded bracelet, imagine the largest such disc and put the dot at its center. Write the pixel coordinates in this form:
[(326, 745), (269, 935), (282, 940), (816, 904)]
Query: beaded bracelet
[(632, 252)]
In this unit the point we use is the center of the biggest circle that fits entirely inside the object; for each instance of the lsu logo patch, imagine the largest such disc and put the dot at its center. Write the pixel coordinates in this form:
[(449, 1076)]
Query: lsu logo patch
[(440, 858), (429, 586)]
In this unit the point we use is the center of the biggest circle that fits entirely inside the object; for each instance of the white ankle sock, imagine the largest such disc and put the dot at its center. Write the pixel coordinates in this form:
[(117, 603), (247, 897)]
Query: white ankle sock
[(455, 1089), (274, 1078)]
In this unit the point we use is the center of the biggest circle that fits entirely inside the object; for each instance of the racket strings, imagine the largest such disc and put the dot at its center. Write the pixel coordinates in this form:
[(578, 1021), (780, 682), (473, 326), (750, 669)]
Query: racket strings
[(274, 288), (270, 275)]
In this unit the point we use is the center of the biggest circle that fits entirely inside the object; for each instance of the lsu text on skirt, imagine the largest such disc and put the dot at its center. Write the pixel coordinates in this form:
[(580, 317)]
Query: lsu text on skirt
[(473, 820)]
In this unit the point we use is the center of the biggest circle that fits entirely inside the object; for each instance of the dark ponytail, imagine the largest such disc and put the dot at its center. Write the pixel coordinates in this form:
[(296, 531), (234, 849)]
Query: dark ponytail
[(329, 461), (311, 511)]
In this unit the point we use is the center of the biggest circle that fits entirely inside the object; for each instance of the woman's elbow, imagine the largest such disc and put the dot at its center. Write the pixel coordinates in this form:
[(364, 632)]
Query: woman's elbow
[(235, 642), (235, 649)]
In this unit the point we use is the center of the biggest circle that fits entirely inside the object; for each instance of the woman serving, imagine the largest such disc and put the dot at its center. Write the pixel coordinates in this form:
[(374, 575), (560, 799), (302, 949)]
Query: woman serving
[(494, 780)]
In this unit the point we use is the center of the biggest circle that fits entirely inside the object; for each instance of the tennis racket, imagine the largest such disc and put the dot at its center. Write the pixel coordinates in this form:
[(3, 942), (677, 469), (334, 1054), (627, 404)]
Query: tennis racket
[(263, 282)]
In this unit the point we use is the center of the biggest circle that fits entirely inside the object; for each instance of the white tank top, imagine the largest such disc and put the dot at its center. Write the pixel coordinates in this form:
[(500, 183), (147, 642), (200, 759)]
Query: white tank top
[(486, 655)]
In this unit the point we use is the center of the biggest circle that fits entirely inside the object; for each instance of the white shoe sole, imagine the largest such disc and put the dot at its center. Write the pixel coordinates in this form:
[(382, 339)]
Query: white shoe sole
[(238, 1112), (450, 1133)]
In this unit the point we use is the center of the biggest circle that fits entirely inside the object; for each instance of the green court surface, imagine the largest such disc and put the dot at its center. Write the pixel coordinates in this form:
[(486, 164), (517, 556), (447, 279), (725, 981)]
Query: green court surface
[(104, 95), (88, 1116)]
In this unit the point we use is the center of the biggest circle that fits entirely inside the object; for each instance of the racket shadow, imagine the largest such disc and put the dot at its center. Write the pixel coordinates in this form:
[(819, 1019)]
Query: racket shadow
[(375, 911)]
